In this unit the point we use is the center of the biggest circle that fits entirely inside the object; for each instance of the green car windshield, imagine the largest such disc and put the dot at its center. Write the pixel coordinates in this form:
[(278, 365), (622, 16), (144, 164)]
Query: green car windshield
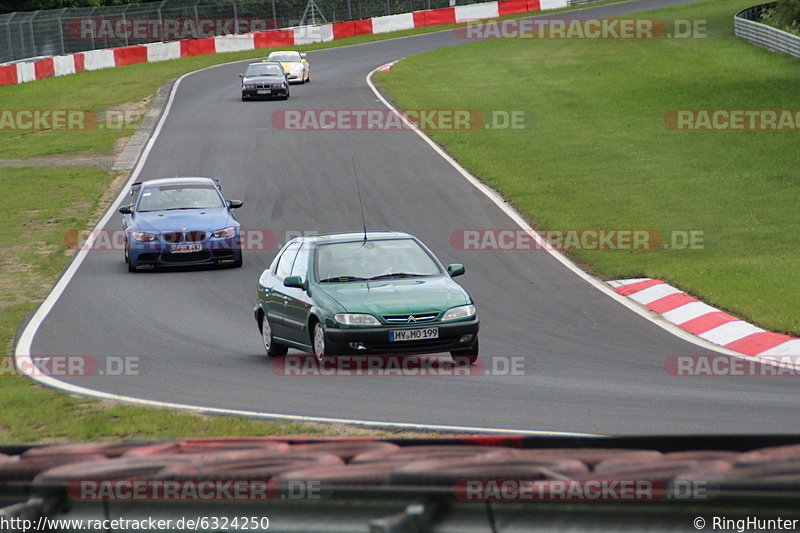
[(374, 259)]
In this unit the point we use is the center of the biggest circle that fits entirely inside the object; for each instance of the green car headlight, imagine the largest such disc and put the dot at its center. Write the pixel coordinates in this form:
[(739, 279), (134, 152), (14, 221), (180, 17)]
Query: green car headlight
[(462, 311), (356, 319)]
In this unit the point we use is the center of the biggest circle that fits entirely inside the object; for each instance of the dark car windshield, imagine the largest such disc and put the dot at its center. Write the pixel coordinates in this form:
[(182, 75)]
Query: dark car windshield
[(374, 259), (264, 70), (179, 197)]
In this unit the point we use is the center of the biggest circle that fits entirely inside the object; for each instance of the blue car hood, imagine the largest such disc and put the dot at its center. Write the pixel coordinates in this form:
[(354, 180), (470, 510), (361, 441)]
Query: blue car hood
[(191, 219), (398, 296)]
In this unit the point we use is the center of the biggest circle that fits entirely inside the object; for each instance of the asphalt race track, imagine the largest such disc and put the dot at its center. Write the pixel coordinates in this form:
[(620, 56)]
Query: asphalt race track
[(590, 364)]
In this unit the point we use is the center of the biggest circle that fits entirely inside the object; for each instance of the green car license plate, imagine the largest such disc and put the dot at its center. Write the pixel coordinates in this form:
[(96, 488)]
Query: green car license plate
[(264, 91), (418, 334)]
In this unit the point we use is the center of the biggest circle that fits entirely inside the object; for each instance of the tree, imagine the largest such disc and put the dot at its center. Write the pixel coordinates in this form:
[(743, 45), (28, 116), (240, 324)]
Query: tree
[(788, 11)]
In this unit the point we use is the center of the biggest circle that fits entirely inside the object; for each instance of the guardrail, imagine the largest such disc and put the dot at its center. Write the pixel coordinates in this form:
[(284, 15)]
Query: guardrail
[(745, 27), (68, 30), (62, 65)]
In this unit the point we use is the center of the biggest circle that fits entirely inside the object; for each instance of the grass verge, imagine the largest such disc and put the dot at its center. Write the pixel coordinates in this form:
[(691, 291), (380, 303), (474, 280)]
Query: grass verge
[(32, 229), (99, 91), (595, 151)]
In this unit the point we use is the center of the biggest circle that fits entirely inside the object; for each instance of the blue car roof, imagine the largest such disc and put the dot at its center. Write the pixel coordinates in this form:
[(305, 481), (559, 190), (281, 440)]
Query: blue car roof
[(178, 181)]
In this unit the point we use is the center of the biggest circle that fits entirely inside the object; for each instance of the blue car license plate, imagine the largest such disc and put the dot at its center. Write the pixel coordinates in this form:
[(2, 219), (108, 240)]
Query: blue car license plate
[(418, 334), (186, 248)]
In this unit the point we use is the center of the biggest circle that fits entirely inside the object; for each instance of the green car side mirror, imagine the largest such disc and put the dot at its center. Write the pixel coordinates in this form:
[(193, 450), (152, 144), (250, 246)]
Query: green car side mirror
[(294, 281), (456, 269)]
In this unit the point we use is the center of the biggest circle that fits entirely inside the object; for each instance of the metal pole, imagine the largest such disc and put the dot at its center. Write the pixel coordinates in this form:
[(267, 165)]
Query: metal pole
[(33, 36), (93, 25), (235, 18), (274, 15), (61, 31), (125, 23), (349, 11), (196, 20), (10, 41), (161, 20)]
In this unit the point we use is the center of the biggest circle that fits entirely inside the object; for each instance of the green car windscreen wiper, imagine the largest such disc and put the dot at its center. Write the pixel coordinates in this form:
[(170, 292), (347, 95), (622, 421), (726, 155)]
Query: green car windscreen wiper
[(396, 275), (342, 278)]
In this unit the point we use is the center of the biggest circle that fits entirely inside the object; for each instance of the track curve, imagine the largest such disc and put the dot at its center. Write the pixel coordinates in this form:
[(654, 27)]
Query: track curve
[(591, 365)]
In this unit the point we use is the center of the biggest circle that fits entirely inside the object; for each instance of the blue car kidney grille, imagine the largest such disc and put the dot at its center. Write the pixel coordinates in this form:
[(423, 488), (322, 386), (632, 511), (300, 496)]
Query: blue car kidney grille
[(174, 237)]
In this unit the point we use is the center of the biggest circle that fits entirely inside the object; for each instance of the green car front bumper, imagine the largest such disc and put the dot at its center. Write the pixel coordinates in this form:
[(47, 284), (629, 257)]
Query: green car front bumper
[(452, 336)]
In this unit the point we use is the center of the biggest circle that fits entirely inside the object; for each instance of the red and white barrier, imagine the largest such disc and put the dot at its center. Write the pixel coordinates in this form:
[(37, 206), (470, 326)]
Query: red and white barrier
[(705, 321), (149, 53), (403, 21)]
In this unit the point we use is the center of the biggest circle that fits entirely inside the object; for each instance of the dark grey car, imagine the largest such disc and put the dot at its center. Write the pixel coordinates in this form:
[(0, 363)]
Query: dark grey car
[(265, 79)]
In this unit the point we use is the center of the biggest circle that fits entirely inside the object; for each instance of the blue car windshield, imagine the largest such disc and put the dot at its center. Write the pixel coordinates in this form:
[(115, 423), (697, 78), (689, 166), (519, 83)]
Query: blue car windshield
[(179, 197), (374, 259)]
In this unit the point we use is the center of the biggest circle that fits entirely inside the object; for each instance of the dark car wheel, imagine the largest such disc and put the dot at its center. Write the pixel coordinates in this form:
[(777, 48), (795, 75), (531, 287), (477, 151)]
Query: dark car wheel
[(131, 266), (272, 348), (469, 355)]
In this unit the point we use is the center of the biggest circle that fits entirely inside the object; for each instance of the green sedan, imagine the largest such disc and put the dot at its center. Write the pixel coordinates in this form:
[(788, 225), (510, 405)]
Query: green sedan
[(352, 293)]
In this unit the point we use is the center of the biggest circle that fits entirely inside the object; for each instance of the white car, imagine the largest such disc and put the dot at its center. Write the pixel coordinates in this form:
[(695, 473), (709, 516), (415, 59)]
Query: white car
[(294, 64)]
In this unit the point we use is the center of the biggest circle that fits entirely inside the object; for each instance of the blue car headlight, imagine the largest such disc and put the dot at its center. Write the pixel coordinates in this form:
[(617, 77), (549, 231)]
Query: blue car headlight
[(356, 319), (142, 236), (224, 233), (462, 311)]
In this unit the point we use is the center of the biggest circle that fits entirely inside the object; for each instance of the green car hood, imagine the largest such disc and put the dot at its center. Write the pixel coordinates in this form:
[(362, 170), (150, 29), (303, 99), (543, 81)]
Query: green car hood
[(396, 297)]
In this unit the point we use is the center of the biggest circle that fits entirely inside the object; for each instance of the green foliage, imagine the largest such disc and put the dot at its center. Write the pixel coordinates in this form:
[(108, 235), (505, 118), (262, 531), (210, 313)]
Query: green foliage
[(785, 16)]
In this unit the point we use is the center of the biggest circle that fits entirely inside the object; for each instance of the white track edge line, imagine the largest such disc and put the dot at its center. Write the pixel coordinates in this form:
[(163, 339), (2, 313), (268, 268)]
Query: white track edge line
[(24, 362), (514, 215)]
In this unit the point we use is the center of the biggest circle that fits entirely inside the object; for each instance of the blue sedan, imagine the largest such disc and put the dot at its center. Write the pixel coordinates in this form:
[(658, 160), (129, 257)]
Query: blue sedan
[(180, 222)]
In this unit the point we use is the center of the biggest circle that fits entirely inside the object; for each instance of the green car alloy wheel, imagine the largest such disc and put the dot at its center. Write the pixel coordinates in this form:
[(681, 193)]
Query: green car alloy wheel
[(373, 293)]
